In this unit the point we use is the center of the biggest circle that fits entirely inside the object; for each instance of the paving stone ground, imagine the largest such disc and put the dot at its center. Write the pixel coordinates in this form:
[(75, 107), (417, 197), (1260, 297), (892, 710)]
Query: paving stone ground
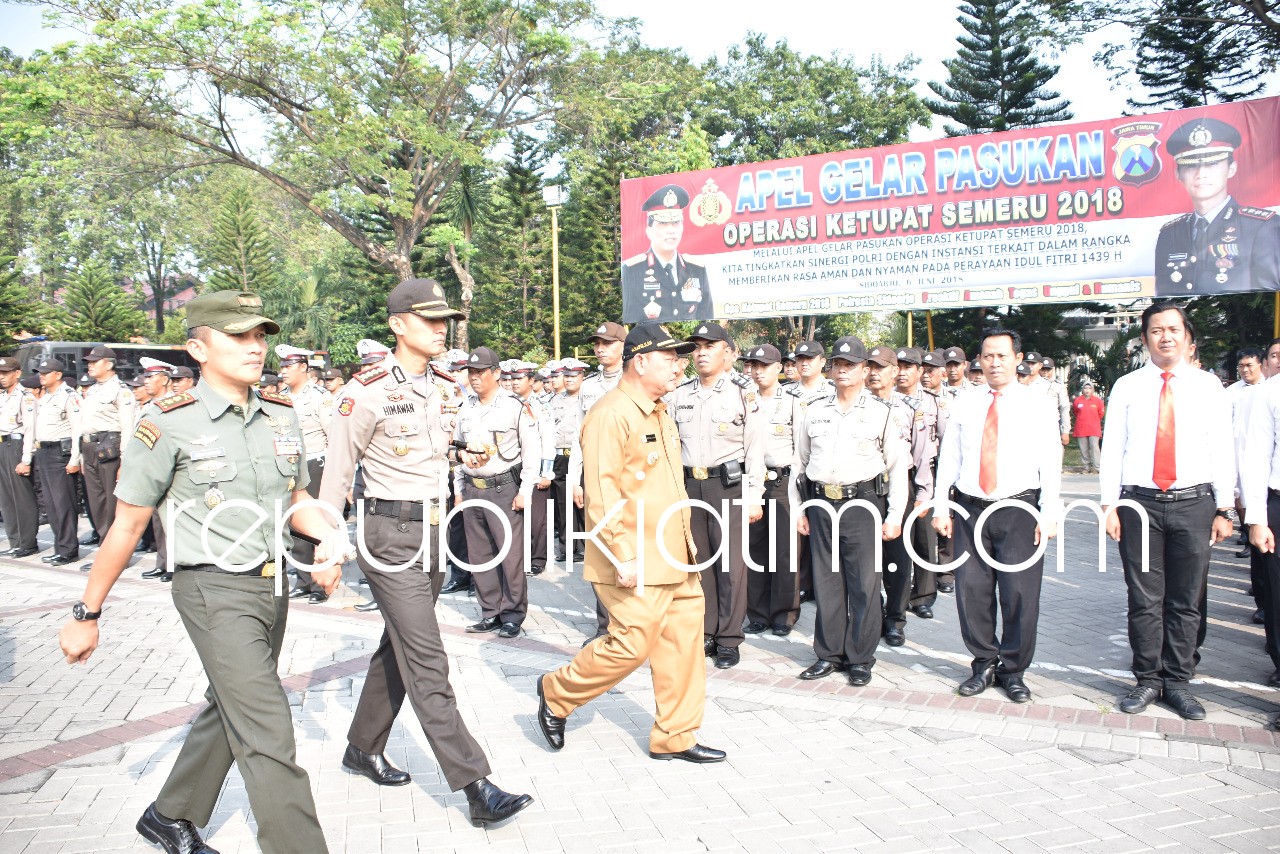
[(901, 765)]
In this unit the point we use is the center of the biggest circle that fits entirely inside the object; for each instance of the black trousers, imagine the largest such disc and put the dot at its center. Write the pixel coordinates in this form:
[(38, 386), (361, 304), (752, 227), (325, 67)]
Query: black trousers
[(562, 496), (410, 657), (895, 575), (303, 551), (924, 583), (100, 482), (536, 520), (502, 591), (773, 595), (1271, 585), (848, 596), (17, 498), (724, 591), (1008, 535), (62, 502), (1166, 597)]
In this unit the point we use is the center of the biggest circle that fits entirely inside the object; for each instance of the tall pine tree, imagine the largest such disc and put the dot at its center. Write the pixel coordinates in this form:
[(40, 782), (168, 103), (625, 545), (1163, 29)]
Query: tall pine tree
[(241, 256), (996, 82), (97, 308), (1187, 57)]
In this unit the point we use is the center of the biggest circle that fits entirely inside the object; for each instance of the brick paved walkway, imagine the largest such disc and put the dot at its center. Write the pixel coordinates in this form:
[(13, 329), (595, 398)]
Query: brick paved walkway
[(904, 764)]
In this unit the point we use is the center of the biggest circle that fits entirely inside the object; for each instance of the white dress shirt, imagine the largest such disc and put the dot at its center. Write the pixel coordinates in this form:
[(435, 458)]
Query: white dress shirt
[(1205, 449), (1260, 460), (1028, 447)]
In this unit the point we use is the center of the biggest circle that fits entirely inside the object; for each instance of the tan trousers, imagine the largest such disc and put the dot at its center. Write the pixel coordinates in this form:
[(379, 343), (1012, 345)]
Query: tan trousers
[(663, 626)]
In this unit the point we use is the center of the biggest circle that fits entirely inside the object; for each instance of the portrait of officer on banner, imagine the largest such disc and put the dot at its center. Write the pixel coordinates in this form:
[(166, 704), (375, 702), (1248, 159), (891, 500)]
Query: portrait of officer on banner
[(1222, 246), (661, 284)]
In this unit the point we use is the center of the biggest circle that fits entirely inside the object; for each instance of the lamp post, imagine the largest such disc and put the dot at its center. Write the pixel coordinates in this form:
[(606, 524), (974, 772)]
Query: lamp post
[(555, 195)]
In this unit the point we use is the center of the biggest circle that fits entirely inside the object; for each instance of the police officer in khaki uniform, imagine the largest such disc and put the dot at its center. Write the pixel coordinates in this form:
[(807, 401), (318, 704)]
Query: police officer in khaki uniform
[(773, 595), (722, 448), (811, 383), (522, 388), (395, 419), (53, 447), (505, 480), (565, 410), (181, 379), (106, 416), (311, 406), (847, 446), (200, 449), (17, 494)]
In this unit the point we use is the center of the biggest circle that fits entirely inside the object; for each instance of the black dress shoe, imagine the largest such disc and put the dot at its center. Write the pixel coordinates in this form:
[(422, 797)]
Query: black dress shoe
[(895, 637), (174, 836), (1016, 690), (456, 585), (63, 560), (1181, 701), (23, 552), (47, 558), (508, 630), (698, 753), (299, 593), (1137, 700), (166, 577), (490, 805), (318, 598), (1274, 680), (983, 676), (365, 607), (374, 766), (727, 656), (153, 573), (818, 670), (781, 631), (806, 596), (946, 587), (754, 627), (859, 675), (924, 612), (91, 540), (537, 570), (1244, 552), (8, 552), (709, 647), (1260, 616), (488, 624), (552, 726)]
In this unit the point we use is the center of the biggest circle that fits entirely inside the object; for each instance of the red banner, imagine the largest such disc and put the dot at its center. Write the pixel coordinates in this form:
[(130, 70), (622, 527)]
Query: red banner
[(1176, 203)]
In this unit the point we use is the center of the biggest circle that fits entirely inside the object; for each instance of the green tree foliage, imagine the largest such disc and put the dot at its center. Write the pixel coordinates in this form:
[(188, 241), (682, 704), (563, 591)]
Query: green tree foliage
[(18, 311), (996, 82), (241, 255), (96, 308), (1227, 322)]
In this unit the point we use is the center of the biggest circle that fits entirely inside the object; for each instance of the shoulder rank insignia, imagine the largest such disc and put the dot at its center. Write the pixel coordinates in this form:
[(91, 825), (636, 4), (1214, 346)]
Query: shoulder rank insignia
[(1257, 213), (686, 382), (370, 375), (272, 397), (634, 260), (1176, 221), (795, 390), (442, 375), (740, 380), (173, 401), (147, 433)]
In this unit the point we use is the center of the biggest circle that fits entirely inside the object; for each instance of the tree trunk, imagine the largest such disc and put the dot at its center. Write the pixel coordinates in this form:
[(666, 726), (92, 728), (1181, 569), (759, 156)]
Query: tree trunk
[(460, 337)]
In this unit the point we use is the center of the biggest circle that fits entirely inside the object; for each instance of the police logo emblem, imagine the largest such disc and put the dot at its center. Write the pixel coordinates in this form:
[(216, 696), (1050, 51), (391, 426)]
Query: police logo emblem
[(711, 206), (1137, 161), (213, 497)]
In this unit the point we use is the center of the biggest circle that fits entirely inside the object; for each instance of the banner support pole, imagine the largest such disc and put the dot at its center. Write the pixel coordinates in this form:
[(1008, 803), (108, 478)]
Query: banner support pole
[(928, 320), (909, 327), (1275, 312)]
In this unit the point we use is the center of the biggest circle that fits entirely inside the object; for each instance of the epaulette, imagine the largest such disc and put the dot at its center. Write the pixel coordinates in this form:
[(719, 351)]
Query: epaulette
[(686, 382), (371, 374), (1176, 221), (1256, 213), (878, 399), (794, 390), (442, 375), (631, 262), (173, 401), (740, 380), (597, 375), (273, 397)]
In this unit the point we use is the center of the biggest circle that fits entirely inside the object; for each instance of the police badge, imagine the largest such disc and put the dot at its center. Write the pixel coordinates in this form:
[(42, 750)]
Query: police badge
[(711, 206), (1137, 162)]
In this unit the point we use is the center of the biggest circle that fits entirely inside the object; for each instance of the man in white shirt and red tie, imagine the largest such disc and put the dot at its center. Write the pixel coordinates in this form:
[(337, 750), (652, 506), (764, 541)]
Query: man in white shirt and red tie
[(1167, 448), (1001, 444)]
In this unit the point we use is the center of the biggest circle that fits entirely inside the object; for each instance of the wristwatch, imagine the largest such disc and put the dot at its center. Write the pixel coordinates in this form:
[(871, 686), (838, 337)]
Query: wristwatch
[(1229, 515), (81, 613)]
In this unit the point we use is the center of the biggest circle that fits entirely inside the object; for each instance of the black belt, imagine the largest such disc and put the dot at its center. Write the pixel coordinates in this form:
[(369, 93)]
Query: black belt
[(98, 437), (1200, 490), (1030, 496), (777, 473), (563, 452), (511, 475), (413, 511), (52, 443), (266, 570), (704, 473), (842, 491), (11, 437)]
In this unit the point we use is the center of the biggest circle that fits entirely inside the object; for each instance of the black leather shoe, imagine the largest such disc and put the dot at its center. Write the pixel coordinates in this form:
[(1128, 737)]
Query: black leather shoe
[(318, 598), (709, 647), (456, 585), (166, 577), (63, 560), (488, 624), (859, 675), (946, 587), (754, 627), (806, 596), (818, 670), (490, 805), (1015, 688), (366, 607), (374, 766), (1274, 680), (727, 656), (537, 570), (153, 573), (1244, 552), (1137, 700), (552, 726), (698, 753), (47, 558), (8, 552), (1259, 616), (508, 630), (983, 676), (91, 540), (894, 637), (299, 593), (23, 552), (174, 836), (924, 612), (1187, 706), (781, 631)]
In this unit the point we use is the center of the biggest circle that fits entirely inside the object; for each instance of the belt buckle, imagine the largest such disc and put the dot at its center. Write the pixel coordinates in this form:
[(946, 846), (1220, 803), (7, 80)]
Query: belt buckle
[(479, 483), (435, 514), (771, 475), (1165, 496), (269, 569), (832, 491), (700, 473)]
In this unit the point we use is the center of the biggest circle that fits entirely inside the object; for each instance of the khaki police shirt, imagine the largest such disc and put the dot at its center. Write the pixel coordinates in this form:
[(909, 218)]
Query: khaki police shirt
[(564, 409), (546, 436), (926, 422), (719, 423), (847, 446), (397, 429), (108, 407), (509, 424), (593, 389), (312, 405), (779, 411), (194, 451), (57, 417), (17, 411), (631, 454)]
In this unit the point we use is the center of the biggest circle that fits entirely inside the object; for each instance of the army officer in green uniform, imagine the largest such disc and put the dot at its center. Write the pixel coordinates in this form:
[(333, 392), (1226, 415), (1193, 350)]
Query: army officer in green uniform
[(191, 452)]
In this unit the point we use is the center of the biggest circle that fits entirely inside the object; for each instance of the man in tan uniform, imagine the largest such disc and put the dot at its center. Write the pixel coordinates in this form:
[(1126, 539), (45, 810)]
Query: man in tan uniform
[(631, 453), (17, 493), (311, 404), (53, 447), (106, 415)]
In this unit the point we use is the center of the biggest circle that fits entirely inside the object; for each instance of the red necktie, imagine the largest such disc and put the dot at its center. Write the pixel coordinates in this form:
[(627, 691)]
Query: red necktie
[(1165, 471), (987, 460)]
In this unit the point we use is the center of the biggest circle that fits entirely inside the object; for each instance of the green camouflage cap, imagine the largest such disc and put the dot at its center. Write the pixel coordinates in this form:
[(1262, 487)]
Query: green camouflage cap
[(232, 312)]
